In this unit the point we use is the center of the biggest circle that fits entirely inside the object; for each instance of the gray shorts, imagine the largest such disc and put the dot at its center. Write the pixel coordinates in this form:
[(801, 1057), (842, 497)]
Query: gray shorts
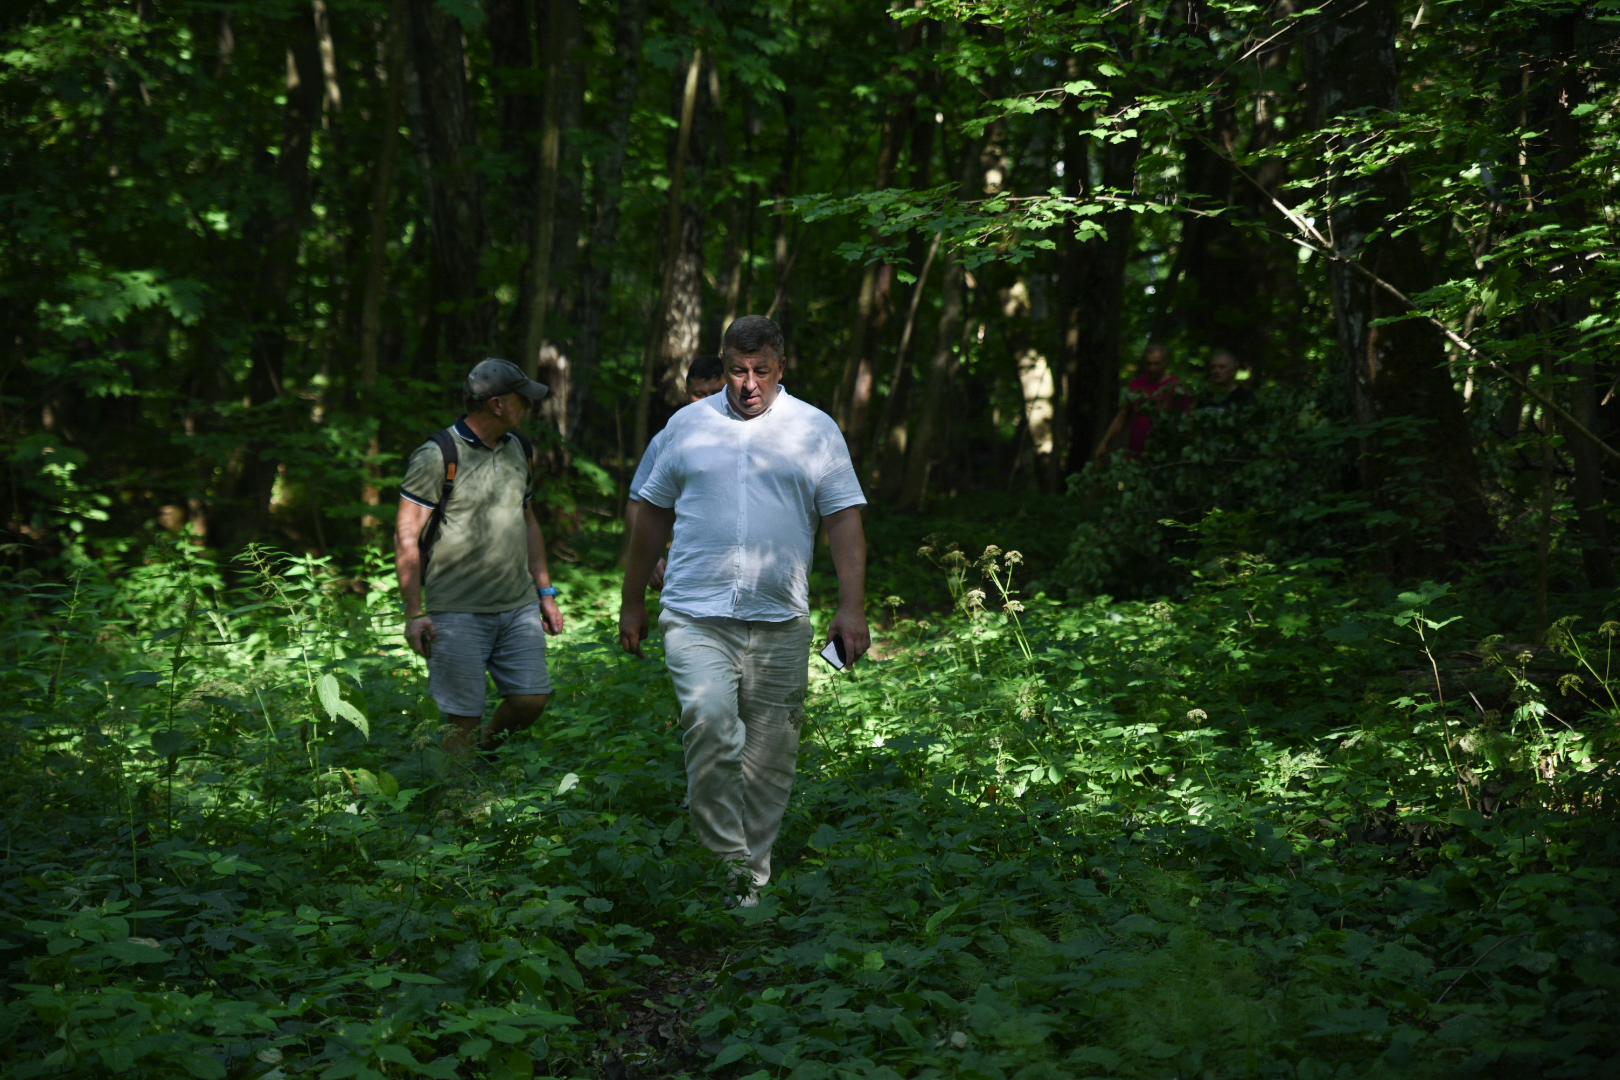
[(510, 645)]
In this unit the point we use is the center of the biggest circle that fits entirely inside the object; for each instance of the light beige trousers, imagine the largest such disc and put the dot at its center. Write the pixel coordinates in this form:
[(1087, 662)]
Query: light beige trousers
[(741, 688)]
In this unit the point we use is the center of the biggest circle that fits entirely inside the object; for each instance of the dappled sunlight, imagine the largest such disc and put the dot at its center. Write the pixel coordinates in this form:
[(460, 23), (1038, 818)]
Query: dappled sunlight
[(1027, 838)]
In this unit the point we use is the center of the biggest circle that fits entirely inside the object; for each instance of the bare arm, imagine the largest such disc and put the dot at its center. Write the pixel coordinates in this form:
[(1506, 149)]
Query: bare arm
[(847, 538), (650, 530), (1113, 430), (631, 509), (419, 629), (550, 613)]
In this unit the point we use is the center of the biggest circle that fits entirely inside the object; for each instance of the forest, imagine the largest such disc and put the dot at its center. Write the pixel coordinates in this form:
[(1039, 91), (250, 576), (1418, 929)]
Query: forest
[(1235, 386)]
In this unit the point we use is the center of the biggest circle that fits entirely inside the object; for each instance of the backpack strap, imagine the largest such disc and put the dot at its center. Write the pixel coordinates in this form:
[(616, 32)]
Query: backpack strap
[(445, 440)]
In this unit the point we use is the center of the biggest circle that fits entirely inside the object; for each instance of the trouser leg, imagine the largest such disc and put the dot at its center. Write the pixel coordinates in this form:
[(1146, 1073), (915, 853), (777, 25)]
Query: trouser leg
[(704, 657), (775, 674)]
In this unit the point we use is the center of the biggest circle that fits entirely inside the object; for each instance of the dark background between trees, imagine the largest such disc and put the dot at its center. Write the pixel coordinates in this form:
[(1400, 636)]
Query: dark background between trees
[(250, 247)]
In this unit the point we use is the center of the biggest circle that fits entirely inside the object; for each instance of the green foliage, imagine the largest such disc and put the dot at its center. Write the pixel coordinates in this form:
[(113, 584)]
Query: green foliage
[(1252, 833), (1213, 483)]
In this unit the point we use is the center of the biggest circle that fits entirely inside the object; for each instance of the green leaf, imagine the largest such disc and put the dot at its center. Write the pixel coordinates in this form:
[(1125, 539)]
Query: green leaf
[(399, 1055), (202, 1066), (938, 918), (1597, 973), (327, 689), (1472, 820), (1348, 632), (168, 743), (734, 1051), (136, 952)]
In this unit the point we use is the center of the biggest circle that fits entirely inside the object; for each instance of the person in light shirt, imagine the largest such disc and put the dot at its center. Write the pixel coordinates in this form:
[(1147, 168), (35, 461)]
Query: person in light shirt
[(743, 479), (705, 376)]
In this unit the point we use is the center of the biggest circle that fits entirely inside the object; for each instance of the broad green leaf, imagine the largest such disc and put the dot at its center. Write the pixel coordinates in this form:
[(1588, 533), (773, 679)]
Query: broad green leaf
[(940, 917), (136, 952), (330, 694), (732, 1051)]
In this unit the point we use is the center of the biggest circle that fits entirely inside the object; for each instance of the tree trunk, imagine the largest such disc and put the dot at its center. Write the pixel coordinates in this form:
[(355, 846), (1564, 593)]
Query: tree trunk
[(597, 276), (1227, 283), (892, 427), (1557, 92), (782, 251), (273, 236), (683, 319), (729, 281), (853, 405), (1397, 370), (1091, 290), (1036, 440), (509, 28), (557, 366), (562, 20), (382, 191), (935, 381), (673, 312), (467, 316), (935, 387)]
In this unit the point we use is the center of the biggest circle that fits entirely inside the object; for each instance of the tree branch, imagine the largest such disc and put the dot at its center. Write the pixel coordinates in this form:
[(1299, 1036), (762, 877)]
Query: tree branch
[(1312, 240)]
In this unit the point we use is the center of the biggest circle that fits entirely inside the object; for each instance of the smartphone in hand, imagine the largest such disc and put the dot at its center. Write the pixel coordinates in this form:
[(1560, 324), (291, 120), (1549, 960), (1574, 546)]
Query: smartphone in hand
[(834, 653)]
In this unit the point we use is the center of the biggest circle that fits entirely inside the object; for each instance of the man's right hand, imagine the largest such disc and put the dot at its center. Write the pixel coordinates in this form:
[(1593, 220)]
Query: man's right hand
[(421, 633), (633, 625)]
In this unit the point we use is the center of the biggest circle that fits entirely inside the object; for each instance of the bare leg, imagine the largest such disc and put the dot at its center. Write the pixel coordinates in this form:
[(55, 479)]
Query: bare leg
[(458, 741), (513, 717)]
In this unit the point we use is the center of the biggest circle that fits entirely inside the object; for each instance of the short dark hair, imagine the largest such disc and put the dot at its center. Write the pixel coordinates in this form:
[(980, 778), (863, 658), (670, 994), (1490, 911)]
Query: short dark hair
[(705, 368), (753, 334), (1158, 347)]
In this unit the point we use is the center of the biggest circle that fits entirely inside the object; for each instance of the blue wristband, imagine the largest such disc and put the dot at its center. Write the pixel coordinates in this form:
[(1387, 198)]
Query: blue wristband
[(549, 590)]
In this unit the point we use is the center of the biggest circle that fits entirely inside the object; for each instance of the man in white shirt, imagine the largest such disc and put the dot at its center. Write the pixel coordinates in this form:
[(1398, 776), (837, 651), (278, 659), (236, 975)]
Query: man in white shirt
[(743, 478)]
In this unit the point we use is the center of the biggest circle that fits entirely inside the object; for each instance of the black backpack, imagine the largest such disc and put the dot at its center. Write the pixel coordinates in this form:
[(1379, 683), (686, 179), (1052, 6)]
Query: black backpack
[(445, 440)]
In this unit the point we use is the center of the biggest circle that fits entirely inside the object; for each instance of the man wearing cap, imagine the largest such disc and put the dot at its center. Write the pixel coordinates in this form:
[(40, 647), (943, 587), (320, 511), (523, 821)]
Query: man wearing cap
[(743, 479), (490, 602)]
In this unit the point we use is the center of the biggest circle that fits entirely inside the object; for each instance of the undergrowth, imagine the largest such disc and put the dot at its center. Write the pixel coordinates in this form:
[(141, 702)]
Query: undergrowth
[(1282, 828)]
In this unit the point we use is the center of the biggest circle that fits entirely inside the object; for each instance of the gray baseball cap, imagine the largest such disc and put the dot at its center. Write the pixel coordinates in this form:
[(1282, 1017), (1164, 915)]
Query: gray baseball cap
[(492, 377)]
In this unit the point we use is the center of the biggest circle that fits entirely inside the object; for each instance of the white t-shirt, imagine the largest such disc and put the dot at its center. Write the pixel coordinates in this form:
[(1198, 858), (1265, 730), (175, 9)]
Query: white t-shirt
[(648, 460), (748, 495)]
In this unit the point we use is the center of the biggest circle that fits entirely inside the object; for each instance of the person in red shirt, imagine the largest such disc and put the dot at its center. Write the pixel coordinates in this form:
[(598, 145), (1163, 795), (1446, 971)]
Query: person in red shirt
[(1153, 389)]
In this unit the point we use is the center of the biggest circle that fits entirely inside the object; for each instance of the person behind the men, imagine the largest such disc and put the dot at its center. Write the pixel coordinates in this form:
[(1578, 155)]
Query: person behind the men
[(490, 602), (743, 479), (1153, 389), (705, 376), (1225, 392)]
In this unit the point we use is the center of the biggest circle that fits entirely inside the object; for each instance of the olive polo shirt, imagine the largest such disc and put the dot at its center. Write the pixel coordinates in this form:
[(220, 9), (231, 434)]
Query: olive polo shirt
[(480, 561)]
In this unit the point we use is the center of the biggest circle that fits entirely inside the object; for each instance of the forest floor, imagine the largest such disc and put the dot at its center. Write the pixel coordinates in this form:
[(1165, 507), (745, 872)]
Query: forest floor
[(1292, 824)]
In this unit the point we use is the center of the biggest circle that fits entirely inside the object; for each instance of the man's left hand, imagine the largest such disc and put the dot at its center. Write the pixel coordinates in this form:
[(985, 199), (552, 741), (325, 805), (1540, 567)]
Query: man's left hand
[(852, 627), (551, 615)]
